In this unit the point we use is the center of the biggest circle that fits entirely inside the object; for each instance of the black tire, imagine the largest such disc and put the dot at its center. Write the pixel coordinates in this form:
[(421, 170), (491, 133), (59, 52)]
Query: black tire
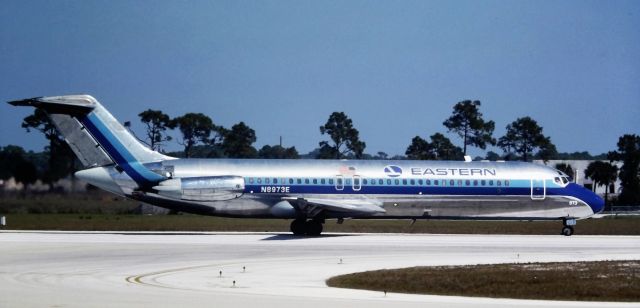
[(313, 227), (567, 231), (298, 227)]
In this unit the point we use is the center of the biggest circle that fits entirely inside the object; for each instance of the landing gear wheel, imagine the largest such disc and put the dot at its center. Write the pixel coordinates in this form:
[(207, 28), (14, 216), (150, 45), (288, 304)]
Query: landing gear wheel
[(567, 230), (313, 227), (298, 227)]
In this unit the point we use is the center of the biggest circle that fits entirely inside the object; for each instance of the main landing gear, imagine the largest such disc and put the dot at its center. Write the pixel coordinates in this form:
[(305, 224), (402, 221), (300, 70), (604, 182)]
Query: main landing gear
[(306, 227), (567, 230)]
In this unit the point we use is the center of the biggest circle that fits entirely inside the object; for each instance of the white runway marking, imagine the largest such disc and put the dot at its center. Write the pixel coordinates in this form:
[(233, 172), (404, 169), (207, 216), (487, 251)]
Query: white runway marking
[(94, 269)]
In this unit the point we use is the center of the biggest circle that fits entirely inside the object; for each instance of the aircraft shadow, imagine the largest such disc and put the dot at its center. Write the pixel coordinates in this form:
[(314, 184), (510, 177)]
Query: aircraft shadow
[(288, 237)]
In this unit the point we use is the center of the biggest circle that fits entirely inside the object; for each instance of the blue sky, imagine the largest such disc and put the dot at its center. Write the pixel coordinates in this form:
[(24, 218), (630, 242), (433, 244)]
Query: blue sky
[(395, 67)]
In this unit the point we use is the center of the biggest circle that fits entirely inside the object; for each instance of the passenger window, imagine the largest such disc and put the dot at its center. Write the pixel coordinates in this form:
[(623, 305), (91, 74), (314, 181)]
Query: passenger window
[(339, 181), (499, 183), (259, 180), (290, 181), (475, 182), (490, 182), (315, 181), (306, 181), (404, 182), (452, 183), (331, 181), (435, 182), (364, 181), (275, 181), (467, 183), (460, 183), (322, 181), (412, 182), (420, 182), (250, 180), (397, 182), (388, 182), (266, 180), (483, 182), (299, 181), (428, 182), (506, 182)]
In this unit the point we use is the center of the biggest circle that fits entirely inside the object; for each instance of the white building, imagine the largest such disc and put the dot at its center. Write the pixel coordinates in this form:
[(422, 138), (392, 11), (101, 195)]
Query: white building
[(579, 166)]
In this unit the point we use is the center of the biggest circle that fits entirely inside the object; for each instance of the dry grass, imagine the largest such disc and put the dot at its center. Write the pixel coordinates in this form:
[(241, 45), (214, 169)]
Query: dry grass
[(584, 281)]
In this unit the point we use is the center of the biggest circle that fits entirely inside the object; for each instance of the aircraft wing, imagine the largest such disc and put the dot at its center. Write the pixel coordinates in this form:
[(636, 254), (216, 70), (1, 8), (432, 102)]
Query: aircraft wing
[(359, 206)]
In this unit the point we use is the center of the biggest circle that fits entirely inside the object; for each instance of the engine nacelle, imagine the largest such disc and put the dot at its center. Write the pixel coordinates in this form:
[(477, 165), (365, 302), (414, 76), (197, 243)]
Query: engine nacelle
[(206, 188)]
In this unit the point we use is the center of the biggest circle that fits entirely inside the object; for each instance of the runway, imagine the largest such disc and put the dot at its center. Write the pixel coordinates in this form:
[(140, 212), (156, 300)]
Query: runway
[(97, 269)]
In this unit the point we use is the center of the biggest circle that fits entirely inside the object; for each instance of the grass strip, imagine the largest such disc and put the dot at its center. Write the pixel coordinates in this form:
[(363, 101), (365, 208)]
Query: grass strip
[(186, 222), (582, 281)]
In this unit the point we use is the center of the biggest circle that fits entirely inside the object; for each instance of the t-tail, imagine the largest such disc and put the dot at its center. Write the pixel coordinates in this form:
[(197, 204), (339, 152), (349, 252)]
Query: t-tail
[(96, 137)]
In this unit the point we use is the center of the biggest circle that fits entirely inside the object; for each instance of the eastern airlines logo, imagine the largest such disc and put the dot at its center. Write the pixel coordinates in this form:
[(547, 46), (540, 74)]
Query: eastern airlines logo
[(393, 171)]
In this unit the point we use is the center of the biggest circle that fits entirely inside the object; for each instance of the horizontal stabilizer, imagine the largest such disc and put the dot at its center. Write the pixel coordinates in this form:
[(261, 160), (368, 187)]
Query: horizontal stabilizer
[(68, 104)]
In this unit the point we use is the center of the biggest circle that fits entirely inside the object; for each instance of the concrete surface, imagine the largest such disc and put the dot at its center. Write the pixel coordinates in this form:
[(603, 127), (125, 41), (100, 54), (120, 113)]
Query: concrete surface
[(98, 269)]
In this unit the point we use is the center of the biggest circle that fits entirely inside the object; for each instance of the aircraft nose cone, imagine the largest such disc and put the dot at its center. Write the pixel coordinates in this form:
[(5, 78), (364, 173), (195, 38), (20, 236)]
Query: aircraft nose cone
[(597, 204), (594, 201)]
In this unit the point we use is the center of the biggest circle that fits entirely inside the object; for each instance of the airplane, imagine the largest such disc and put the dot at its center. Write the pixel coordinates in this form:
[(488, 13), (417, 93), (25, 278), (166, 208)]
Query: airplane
[(311, 191)]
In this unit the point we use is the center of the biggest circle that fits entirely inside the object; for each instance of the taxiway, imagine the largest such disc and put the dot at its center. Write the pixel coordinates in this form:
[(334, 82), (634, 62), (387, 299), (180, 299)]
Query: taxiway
[(98, 269)]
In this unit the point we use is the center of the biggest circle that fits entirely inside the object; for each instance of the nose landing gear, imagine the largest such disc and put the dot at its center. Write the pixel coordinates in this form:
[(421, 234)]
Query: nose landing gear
[(306, 227), (567, 230)]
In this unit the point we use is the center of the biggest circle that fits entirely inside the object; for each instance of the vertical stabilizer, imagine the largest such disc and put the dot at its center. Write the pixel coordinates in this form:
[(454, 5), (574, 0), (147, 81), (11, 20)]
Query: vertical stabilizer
[(96, 137)]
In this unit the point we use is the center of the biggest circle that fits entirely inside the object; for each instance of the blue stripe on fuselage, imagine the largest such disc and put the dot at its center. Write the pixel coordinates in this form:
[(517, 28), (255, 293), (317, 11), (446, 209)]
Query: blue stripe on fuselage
[(571, 190), (141, 175), (401, 190)]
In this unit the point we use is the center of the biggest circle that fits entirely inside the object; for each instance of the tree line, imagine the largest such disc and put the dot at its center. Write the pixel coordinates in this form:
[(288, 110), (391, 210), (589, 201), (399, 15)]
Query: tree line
[(201, 137)]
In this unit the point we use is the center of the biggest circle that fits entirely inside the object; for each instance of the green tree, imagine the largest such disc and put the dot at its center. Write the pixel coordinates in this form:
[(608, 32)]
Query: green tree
[(440, 148), (523, 136), (492, 156), (345, 137), (196, 128), (566, 168), (419, 149), (603, 174), (278, 152), (547, 151), (9, 155), (444, 148), (238, 142), (26, 173), (629, 153), (157, 122), (381, 155), (466, 121)]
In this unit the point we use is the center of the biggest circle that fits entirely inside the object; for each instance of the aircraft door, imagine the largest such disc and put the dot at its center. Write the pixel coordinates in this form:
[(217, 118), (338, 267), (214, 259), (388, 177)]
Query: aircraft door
[(339, 182), (538, 189), (356, 183)]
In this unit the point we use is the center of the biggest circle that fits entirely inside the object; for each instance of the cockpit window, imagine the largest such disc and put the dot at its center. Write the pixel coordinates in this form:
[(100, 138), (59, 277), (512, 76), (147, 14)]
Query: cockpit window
[(557, 180), (565, 180)]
